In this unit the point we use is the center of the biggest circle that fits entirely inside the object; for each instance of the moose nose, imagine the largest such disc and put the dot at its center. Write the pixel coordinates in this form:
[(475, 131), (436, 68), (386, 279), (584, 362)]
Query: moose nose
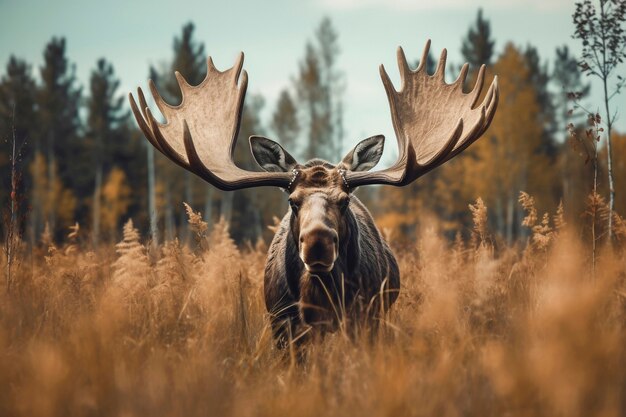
[(318, 248)]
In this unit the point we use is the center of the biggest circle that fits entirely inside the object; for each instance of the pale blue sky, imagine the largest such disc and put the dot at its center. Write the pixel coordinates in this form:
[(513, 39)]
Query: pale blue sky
[(272, 33)]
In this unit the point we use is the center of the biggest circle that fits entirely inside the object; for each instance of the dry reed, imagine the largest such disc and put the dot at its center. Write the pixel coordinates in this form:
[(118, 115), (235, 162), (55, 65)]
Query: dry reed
[(476, 332)]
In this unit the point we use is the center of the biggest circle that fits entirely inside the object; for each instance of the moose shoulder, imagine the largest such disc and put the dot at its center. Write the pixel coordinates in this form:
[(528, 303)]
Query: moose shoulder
[(327, 259)]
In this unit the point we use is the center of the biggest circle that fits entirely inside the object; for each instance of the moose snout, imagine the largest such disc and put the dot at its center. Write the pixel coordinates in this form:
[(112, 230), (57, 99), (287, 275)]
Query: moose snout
[(318, 248)]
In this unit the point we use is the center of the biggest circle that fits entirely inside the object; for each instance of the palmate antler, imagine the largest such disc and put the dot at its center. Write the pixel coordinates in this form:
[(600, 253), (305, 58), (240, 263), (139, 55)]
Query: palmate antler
[(200, 134), (433, 121)]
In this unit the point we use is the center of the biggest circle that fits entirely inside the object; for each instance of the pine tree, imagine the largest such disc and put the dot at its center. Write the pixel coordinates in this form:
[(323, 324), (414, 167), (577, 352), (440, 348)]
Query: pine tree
[(477, 47), (539, 76), (568, 83), (189, 59), (320, 86), (103, 124), (332, 83), (17, 118), (58, 102), (567, 79), (285, 121), (17, 101)]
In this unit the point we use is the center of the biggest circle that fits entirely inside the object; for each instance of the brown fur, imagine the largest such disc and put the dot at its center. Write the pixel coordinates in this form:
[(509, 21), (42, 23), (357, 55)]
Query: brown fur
[(364, 268)]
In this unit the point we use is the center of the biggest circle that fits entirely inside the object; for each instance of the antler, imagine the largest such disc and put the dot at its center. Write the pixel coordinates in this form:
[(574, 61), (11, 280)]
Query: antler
[(433, 121), (200, 134)]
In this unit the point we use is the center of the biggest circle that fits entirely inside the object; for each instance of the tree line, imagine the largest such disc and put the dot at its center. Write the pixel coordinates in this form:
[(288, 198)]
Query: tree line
[(82, 159)]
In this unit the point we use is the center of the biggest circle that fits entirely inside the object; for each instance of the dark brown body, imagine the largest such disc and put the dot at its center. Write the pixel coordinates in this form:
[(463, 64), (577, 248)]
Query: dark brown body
[(364, 274)]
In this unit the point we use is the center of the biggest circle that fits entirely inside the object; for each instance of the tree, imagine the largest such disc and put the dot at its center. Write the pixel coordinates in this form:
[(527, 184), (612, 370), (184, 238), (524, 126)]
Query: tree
[(189, 59), (115, 200), (604, 49), (17, 122), (332, 82), (320, 86), (510, 160), (59, 122), (104, 121), (285, 121), (477, 47), (566, 77), (152, 207), (539, 77)]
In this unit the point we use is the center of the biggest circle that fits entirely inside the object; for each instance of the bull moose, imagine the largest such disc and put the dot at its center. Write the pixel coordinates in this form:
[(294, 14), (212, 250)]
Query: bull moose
[(328, 260)]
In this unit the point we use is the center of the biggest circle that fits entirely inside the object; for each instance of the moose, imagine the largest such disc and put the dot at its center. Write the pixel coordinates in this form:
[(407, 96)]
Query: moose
[(327, 261)]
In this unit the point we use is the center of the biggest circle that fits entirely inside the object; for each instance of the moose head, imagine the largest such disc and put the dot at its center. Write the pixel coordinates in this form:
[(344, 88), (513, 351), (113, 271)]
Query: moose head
[(328, 249)]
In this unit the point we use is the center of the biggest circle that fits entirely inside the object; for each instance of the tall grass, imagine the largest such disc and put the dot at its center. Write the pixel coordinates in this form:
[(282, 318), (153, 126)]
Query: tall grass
[(477, 331)]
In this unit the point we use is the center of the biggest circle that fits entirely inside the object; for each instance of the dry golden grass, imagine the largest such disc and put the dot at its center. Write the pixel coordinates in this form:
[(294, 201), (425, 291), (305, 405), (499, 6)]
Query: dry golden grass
[(475, 332)]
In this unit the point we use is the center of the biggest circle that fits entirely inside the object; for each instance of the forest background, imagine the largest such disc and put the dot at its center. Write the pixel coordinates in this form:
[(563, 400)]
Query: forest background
[(80, 157)]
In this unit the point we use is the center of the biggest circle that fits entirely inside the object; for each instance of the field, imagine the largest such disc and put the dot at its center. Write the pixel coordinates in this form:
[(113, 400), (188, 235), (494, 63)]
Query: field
[(480, 329)]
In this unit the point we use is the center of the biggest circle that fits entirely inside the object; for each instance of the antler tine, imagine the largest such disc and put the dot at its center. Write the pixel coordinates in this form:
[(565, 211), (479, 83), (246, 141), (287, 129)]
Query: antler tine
[(434, 121), (441, 66), (141, 119), (200, 133), (449, 145), (389, 88), (243, 82), (492, 106), (478, 87), (192, 154), (403, 66), (238, 66), (476, 131), (158, 100), (166, 147), (424, 59), (496, 96), (182, 83), (462, 76), (142, 102)]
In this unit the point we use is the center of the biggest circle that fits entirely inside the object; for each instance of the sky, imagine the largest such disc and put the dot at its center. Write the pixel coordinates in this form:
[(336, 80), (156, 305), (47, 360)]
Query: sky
[(134, 34)]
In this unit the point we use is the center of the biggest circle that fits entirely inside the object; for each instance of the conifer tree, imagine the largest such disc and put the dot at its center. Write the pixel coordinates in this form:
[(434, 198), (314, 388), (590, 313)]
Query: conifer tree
[(319, 85), (59, 122), (567, 79), (539, 76), (477, 47), (17, 122), (104, 121), (568, 83), (285, 121)]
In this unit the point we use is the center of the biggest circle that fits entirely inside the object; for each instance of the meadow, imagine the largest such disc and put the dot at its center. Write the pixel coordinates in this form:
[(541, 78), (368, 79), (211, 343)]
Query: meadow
[(480, 329)]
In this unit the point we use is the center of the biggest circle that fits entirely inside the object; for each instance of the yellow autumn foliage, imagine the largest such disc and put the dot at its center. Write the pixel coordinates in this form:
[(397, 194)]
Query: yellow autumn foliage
[(116, 197), (53, 199)]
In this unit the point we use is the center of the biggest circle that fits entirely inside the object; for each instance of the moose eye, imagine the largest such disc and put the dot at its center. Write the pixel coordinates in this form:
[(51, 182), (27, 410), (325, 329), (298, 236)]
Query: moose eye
[(294, 206)]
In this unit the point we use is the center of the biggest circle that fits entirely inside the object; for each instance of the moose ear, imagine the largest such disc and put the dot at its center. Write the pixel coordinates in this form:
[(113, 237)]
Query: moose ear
[(270, 155), (365, 155)]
